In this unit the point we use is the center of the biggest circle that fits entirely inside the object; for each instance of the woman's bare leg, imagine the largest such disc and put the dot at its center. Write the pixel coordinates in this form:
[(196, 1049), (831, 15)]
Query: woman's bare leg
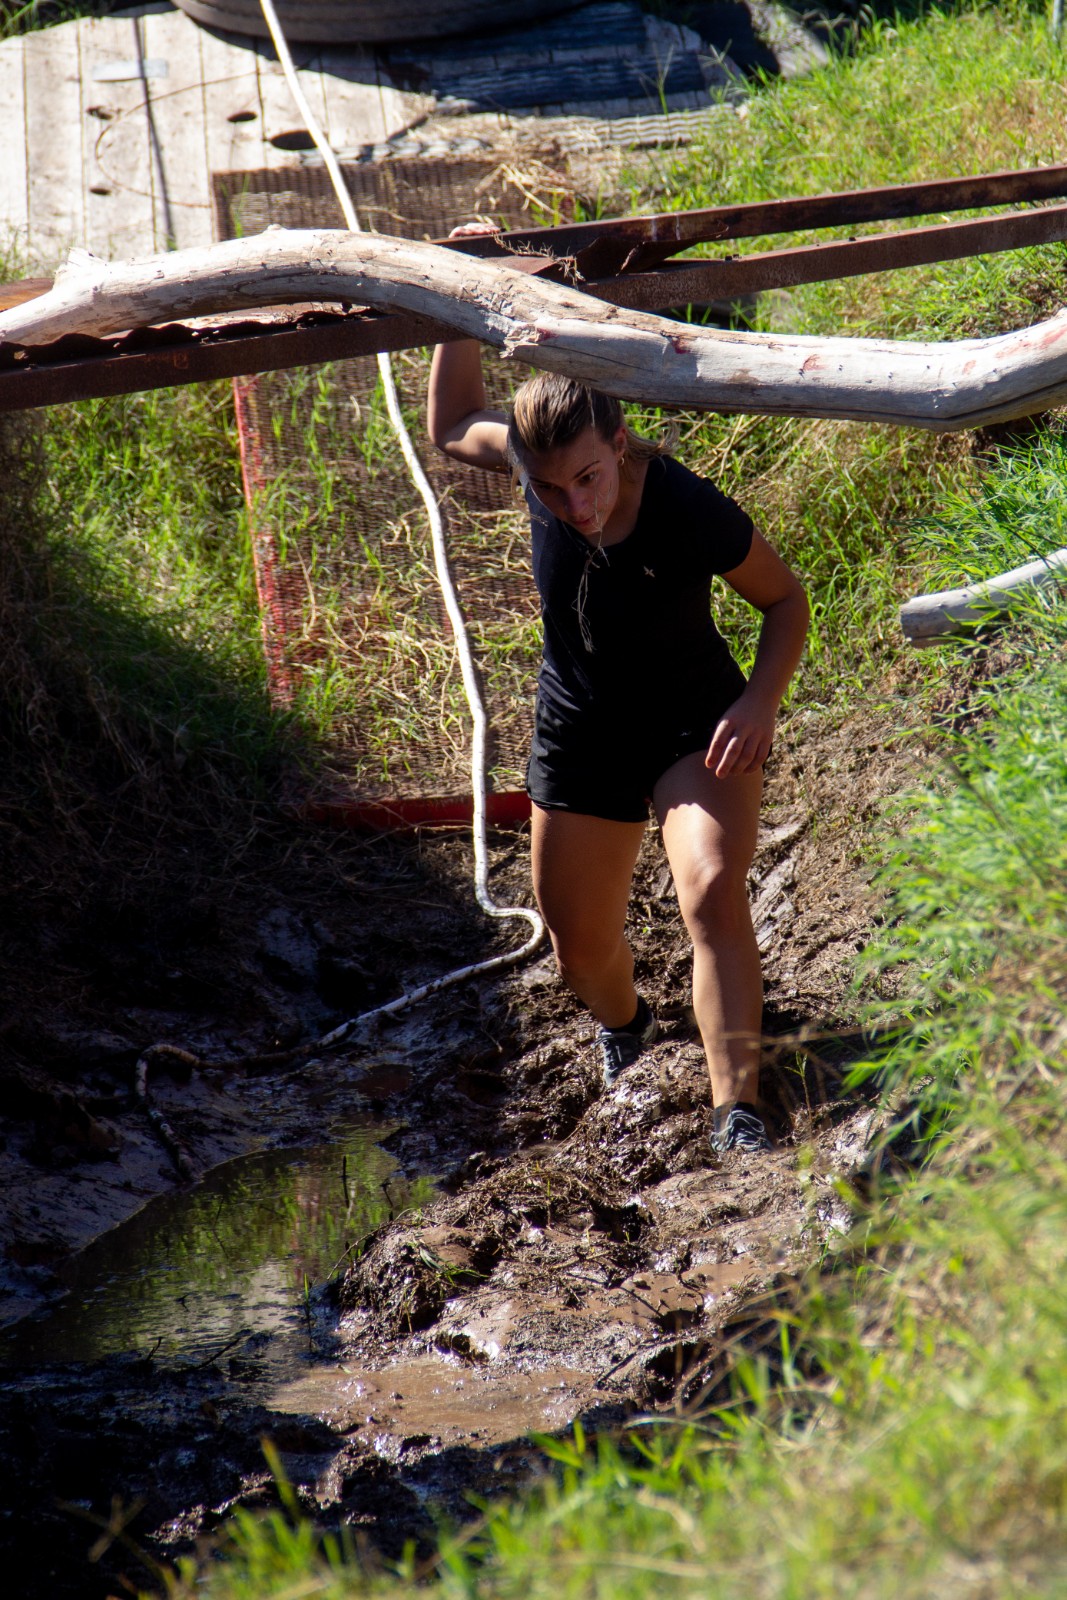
[(582, 868), (709, 831)]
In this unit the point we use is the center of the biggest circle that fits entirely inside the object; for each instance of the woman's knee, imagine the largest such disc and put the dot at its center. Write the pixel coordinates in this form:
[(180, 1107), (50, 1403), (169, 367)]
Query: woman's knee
[(713, 897), (585, 953)]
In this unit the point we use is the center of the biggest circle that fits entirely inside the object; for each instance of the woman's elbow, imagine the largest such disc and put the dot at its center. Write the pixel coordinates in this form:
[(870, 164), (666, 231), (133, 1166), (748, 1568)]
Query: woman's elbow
[(437, 428)]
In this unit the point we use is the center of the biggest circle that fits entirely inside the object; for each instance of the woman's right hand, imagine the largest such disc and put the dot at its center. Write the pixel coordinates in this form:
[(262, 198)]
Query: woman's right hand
[(474, 230)]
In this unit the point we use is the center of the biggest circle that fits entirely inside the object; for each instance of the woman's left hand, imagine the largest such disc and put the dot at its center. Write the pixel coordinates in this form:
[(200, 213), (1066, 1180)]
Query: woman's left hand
[(742, 741)]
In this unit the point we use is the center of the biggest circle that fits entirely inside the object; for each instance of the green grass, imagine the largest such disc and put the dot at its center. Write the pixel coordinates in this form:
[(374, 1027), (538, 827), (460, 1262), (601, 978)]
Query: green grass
[(132, 690), (967, 89), (1020, 516), (25, 16), (145, 528), (377, 679)]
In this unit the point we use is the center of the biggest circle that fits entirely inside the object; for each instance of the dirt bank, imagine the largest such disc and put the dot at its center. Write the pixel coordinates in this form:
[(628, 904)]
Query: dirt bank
[(585, 1256)]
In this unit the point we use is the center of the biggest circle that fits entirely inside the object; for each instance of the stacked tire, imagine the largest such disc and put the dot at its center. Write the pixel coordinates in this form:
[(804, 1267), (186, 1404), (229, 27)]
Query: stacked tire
[(370, 21)]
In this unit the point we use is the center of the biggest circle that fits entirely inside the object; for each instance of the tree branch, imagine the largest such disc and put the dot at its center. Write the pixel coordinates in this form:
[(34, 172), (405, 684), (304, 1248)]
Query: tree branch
[(932, 617), (547, 325)]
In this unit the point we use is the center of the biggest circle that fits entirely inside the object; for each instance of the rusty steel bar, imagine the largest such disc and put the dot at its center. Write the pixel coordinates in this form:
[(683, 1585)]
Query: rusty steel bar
[(17, 294), (122, 368), (640, 239), (690, 282), (654, 238)]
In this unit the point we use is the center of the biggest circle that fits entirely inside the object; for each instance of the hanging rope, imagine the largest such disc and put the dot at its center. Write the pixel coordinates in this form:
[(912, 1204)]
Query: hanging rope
[(448, 593)]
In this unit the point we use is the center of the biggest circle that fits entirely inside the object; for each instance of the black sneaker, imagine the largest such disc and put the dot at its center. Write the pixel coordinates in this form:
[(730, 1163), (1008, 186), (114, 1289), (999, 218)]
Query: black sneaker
[(742, 1130), (620, 1047)]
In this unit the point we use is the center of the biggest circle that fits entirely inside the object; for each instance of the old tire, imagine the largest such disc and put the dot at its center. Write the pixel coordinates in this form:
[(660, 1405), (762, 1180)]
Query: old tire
[(369, 21)]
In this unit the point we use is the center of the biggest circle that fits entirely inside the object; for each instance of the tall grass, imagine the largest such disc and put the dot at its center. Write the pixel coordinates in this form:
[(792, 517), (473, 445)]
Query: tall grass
[(25, 16), (143, 520), (132, 697), (374, 662), (965, 89)]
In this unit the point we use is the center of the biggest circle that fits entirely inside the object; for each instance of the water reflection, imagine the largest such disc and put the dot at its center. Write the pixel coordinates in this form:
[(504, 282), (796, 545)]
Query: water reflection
[(229, 1259)]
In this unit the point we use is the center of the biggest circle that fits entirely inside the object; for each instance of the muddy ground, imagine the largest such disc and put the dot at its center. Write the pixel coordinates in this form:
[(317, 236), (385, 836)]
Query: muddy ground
[(585, 1255)]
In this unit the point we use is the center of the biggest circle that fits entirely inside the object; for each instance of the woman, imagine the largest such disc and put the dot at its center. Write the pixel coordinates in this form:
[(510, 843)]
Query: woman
[(638, 700)]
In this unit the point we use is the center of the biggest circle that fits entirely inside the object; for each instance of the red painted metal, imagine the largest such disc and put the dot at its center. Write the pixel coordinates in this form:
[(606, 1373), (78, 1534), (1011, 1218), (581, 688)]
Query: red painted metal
[(265, 562), (508, 809)]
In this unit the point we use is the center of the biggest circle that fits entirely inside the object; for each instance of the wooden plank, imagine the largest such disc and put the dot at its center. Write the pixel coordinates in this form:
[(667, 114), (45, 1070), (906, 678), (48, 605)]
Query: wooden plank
[(118, 172), (279, 110), (365, 113), (233, 122), (14, 185), (183, 214), (56, 206)]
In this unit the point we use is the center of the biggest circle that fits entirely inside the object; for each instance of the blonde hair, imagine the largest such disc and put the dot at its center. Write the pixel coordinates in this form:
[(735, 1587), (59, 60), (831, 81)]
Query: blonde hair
[(550, 411)]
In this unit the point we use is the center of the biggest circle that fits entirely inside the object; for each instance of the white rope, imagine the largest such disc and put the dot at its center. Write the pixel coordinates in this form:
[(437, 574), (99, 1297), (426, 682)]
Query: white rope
[(448, 592)]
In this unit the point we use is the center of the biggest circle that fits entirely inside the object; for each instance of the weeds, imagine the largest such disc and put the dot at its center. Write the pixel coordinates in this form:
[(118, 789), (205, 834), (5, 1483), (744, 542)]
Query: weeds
[(367, 640), (134, 529)]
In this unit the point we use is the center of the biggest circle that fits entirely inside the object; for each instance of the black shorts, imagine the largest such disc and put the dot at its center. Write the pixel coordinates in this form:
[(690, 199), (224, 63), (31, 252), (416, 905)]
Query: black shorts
[(605, 769)]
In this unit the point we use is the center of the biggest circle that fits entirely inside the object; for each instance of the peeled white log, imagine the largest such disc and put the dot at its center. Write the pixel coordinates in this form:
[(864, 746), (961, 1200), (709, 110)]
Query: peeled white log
[(626, 353), (930, 617)]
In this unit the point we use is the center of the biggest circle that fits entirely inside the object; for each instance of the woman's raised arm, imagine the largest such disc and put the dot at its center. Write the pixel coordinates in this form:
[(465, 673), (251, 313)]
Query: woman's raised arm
[(457, 418)]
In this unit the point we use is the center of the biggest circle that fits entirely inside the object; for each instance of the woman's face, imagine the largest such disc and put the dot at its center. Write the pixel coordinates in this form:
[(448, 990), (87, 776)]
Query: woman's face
[(579, 483)]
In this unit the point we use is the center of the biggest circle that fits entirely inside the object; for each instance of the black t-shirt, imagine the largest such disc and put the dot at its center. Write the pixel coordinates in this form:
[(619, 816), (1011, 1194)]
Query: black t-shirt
[(628, 628)]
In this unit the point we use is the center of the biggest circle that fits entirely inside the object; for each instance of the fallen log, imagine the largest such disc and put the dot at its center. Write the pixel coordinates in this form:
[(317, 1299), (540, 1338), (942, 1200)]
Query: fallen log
[(931, 617), (631, 354)]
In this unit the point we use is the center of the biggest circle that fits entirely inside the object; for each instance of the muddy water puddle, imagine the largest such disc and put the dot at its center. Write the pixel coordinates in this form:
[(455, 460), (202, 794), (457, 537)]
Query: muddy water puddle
[(427, 1400), (227, 1264)]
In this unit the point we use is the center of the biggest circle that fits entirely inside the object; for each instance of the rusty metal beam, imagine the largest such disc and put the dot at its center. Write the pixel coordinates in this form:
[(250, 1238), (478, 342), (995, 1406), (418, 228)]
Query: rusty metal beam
[(642, 241), (654, 238), (696, 282), (16, 294), (122, 368)]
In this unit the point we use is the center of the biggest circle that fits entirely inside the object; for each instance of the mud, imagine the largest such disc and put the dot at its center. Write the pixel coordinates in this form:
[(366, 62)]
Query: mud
[(541, 1250)]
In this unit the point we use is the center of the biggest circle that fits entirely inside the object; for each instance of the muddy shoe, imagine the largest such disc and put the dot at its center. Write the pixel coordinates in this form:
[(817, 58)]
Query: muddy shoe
[(620, 1047), (742, 1129)]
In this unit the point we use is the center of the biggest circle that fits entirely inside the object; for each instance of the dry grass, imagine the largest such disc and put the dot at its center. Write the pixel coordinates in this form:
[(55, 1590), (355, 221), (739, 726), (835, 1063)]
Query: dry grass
[(365, 634)]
